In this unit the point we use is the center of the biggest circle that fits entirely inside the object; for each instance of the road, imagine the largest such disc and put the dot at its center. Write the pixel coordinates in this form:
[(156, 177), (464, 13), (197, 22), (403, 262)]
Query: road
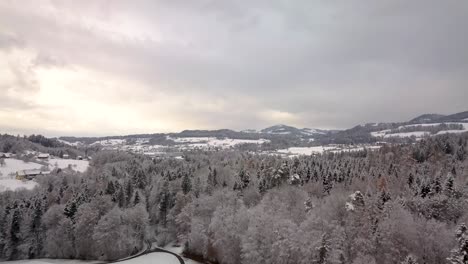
[(149, 250)]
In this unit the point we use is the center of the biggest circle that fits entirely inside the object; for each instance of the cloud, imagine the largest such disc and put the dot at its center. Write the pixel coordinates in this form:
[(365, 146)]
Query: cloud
[(171, 65)]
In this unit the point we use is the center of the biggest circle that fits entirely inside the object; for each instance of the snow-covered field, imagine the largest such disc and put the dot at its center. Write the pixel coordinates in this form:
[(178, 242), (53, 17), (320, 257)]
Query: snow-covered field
[(207, 142), (306, 150), (297, 151), (386, 134), (13, 165), (8, 171), (418, 134)]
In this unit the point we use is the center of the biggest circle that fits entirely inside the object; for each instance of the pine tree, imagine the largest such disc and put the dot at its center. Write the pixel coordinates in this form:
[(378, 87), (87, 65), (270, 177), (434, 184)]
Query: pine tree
[(197, 188), (36, 231), (110, 190), (136, 200), (186, 184), (15, 236), (70, 209), (121, 197), (449, 187), (327, 184), (323, 249), (209, 183), (129, 190), (164, 202), (215, 178)]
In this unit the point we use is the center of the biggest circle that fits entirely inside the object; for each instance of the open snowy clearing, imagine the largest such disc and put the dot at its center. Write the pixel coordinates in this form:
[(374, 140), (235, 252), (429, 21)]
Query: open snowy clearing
[(306, 150), (418, 134), (207, 142), (13, 165), (8, 171), (297, 151)]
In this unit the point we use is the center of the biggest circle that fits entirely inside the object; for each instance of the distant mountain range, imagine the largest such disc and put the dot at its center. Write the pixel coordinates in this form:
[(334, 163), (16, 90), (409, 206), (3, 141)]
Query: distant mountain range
[(437, 118), (358, 134)]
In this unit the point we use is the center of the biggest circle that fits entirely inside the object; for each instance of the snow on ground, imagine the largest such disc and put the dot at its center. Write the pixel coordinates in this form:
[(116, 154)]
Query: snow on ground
[(8, 171), (76, 165), (13, 165), (306, 150), (208, 142), (354, 148), (418, 134), (297, 151)]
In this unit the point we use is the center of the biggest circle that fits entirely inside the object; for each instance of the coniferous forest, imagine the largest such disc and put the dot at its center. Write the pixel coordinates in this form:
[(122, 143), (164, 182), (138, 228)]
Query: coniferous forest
[(397, 204)]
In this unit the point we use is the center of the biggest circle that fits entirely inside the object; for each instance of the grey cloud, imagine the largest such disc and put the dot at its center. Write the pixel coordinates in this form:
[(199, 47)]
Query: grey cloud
[(333, 63)]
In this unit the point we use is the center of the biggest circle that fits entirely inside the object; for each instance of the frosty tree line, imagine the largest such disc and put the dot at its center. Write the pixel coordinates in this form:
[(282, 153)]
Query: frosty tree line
[(399, 204)]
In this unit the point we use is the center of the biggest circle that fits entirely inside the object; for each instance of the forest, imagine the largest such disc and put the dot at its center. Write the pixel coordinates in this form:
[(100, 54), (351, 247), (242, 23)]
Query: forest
[(402, 203)]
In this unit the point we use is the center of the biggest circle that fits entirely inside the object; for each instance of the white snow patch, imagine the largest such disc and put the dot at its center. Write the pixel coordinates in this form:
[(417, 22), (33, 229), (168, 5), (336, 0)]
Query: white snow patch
[(13, 165), (306, 150), (418, 134), (209, 142)]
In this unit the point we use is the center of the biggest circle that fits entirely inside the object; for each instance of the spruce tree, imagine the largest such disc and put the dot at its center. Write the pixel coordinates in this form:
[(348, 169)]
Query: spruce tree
[(15, 236), (186, 184)]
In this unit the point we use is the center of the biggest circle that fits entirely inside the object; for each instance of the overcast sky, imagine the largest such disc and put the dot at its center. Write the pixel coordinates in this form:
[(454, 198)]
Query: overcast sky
[(120, 67)]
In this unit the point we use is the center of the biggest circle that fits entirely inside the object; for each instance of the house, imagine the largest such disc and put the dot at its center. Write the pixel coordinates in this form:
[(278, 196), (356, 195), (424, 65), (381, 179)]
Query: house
[(43, 156), (30, 174), (66, 156), (79, 158)]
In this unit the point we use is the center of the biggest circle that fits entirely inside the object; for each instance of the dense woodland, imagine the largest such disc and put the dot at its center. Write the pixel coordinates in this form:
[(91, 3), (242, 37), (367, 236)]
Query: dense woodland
[(399, 204)]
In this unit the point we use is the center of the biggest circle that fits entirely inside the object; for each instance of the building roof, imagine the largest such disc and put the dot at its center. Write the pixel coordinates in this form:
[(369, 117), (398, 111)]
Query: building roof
[(32, 172)]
